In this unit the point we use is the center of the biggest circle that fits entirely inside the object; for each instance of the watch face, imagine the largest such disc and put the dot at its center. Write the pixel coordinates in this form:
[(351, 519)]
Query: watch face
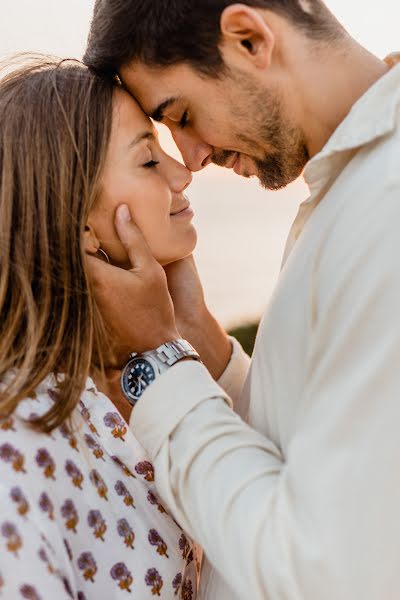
[(136, 377)]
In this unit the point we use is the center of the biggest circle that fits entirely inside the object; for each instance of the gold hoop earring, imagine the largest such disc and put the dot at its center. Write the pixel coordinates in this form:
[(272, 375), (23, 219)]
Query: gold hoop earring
[(104, 254)]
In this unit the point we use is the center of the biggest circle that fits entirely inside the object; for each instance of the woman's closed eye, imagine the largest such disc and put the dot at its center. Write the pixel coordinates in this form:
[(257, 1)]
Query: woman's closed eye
[(151, 163)]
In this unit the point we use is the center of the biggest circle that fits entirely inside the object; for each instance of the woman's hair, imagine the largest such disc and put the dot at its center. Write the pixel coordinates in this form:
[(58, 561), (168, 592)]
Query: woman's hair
[(55, 123)]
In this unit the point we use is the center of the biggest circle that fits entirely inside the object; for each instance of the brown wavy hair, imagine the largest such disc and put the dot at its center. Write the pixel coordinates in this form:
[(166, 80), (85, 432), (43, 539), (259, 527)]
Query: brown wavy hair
[(55, 123)]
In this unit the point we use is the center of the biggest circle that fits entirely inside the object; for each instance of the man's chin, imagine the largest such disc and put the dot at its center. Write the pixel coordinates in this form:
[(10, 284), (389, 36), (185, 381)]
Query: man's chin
[(276, 175)]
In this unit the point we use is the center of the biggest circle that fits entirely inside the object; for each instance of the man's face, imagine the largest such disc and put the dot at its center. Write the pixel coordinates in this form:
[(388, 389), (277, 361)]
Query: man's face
[(232, 121)]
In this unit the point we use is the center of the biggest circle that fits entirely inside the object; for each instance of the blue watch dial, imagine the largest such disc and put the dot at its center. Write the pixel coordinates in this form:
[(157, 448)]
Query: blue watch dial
[(136, 377)]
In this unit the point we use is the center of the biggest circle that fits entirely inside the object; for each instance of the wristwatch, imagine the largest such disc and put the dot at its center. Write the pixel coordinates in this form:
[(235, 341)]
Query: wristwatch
[(143, 369)]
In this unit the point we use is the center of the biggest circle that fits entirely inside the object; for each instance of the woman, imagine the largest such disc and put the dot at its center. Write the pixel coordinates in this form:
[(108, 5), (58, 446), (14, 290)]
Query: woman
[(79, 514)]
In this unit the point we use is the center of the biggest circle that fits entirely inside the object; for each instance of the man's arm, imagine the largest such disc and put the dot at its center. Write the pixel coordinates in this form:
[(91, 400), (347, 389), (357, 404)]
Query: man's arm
[(193, 319), (321, 522), (223, 356)]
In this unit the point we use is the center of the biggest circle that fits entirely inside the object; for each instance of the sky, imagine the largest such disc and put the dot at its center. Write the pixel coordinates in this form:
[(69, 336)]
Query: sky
[(242, 228)]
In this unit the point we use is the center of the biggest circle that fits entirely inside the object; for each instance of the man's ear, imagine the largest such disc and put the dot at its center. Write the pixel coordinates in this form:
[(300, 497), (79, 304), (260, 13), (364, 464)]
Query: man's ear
[(91, 243), (244, 30)]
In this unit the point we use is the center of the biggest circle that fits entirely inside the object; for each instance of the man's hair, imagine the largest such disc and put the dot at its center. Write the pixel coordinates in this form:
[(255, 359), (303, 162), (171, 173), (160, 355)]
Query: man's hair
[(167, 32)]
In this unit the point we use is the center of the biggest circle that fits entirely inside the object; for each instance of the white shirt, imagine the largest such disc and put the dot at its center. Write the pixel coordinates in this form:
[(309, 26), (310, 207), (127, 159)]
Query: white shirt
[(79, 515), (304, 502)]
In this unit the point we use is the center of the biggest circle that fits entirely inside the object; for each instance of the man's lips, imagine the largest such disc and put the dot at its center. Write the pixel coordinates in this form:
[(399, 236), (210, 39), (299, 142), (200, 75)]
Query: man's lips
[(236, 165), (231, 163)]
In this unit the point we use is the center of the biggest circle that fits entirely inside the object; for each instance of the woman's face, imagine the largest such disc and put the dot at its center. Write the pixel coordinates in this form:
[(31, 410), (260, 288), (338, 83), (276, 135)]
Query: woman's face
[(138, 173)]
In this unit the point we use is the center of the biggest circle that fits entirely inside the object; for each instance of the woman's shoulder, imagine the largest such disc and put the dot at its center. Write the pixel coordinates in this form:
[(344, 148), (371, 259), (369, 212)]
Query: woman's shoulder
[(23, 447)]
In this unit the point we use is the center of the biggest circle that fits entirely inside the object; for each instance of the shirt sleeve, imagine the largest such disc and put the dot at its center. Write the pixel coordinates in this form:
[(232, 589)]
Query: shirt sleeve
[(28, 564), (324, 521), (233, 378)]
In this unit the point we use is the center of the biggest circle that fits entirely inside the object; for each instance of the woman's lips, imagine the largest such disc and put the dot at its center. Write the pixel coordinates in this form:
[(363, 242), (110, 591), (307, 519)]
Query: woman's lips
[(186, 211)]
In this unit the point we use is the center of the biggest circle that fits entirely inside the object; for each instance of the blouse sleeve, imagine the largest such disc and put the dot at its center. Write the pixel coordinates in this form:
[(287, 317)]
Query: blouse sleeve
[(28, 562)]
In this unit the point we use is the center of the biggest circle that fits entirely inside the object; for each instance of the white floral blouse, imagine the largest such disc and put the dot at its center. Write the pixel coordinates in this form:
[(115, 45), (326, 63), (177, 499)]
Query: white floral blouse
[(79, 515)]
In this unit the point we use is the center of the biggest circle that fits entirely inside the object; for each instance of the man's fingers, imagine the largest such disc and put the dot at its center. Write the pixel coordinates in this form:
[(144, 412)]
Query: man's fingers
[(98, 270), (132, 238)]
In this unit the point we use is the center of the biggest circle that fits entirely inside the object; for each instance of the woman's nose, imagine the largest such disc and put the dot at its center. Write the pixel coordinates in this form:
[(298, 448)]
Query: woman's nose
[(181, 178)]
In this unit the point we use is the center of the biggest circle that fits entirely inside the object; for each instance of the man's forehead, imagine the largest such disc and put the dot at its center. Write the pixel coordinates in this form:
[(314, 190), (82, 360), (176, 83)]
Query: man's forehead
[(148, 81), (153, 86)]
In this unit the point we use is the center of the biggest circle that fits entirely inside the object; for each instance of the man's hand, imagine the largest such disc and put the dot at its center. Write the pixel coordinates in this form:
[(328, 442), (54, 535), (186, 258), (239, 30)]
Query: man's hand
[(194, 321), (393, 59), (136, 305), (186, 291)]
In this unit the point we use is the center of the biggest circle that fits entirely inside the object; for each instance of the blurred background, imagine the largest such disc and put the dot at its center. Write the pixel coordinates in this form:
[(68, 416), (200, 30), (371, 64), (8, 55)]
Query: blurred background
[(242, 228)]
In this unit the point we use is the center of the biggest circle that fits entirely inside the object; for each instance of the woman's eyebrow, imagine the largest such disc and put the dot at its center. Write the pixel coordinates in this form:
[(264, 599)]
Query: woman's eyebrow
[(144, 135)]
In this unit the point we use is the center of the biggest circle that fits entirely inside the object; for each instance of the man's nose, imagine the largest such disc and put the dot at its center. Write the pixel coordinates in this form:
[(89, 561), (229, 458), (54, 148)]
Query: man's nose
[(195, 152)]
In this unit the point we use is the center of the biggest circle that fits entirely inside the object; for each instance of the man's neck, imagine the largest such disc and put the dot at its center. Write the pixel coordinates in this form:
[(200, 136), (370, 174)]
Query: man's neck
[(334, 81)]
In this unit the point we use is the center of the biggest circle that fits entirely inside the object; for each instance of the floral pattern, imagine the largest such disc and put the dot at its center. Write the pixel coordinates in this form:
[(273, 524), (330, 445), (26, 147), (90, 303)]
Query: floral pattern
[(11, 533), (68, 549), (45, 461), (187, 590), (153, 500), (97, 523), (67, 434), (146, 469), (87, 564), (29, 592), (126, 532), (122, 490), (83, 498), (86, 417), (98, 483), (94, 446), (43, 556), (184, 546), (154, 580), (22, 503), (156, 540), (74, 473), (11, 455), (120, 573), (70, 514), (46, 505), (117, 424), (177, 582), (124, 468)]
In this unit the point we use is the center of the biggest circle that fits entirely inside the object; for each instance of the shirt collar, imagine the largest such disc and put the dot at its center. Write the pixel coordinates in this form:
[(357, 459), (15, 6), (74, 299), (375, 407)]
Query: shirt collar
[(371, 117)]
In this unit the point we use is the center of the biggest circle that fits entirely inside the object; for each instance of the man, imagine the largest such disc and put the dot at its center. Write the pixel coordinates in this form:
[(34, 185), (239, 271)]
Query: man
[(303, 501)]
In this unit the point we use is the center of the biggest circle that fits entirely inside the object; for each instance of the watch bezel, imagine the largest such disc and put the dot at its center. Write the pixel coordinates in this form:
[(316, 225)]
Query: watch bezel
[(134, 359)]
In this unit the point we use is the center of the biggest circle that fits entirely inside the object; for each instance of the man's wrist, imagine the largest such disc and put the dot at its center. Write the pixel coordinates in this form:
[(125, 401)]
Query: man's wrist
[(160, 339), (209, 338), (143, 368)]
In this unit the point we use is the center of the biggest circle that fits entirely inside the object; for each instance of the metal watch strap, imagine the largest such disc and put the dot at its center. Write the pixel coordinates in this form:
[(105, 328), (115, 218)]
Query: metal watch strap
[(172, 352)]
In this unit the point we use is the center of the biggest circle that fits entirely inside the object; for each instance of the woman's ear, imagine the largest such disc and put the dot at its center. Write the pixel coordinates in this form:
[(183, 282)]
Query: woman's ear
[(246, 32), (91, 244)]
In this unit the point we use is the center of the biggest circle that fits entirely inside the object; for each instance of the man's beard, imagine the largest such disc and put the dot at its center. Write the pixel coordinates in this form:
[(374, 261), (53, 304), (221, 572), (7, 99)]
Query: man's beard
[(266, 126), (288, 154)]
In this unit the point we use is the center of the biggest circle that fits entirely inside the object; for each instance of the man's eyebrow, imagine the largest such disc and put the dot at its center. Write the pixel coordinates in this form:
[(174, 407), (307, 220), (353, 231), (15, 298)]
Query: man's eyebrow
[(144, 135), (158, 113)]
